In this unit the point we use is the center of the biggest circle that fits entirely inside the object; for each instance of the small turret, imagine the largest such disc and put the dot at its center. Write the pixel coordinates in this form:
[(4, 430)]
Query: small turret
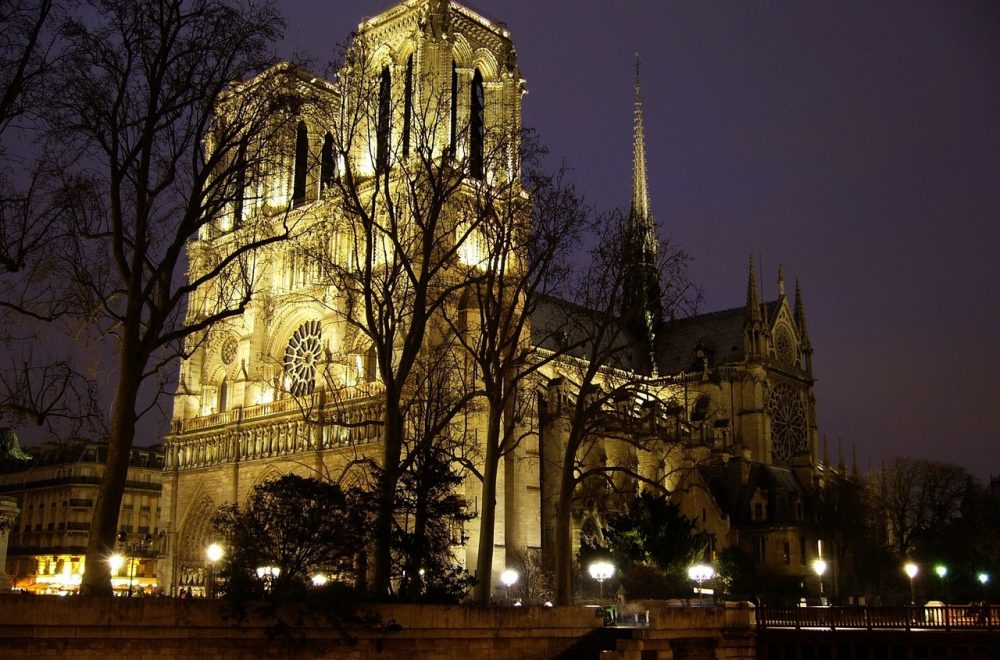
[(800, 323), (754, 325), (753, 298)]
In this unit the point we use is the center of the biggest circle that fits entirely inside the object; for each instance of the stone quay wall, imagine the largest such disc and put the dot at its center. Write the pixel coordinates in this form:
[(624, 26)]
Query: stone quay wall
[(163, 628), (80, 627)]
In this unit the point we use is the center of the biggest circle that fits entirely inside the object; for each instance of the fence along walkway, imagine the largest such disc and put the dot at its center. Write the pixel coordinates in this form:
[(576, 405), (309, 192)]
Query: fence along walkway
[(948, 617)]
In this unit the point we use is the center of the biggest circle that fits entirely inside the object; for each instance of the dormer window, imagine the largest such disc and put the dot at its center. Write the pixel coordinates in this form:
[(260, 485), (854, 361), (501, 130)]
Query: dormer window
[(758, 506)]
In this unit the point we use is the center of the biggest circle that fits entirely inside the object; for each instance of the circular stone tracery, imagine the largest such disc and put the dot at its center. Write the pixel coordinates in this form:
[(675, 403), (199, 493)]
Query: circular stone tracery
[(788, 422), (783, 346), (301, 357), (228, 350)]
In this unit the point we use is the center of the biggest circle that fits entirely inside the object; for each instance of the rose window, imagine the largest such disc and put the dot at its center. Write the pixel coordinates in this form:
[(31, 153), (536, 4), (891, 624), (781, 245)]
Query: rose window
[(229, 348), (301, 357), (788, 422), (783, 346)]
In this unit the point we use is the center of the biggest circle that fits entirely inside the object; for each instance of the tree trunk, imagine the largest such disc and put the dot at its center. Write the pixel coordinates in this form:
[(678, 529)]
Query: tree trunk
[(564, 537), (488, 510), (392, 442), (104, 522)]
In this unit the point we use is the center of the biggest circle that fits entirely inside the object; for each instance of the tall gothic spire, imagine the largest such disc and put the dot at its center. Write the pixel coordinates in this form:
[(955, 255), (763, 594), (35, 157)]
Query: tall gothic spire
[(640, 186), (642, 283)]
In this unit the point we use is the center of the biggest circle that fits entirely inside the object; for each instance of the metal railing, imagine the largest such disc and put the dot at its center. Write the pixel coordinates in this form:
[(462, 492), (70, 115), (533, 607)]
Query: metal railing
[(948, 617)]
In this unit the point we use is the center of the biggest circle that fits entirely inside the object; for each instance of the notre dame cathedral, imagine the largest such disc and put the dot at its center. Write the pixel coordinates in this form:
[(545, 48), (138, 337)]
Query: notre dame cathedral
[(739, 380)]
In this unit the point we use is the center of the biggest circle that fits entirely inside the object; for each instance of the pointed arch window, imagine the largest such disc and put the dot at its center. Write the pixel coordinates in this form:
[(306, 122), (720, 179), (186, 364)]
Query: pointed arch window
[(241, 184), (383, 127), (477, 125), (407, 105), (328, 164), (224, 395), (301, 163), (454, 106)]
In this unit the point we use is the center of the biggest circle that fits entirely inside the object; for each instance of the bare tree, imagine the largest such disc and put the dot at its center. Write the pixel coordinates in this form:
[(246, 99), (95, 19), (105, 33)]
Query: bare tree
[(606, 391), (164, 151), (523, 248), (917, 499), (40, 385), (409, 210)]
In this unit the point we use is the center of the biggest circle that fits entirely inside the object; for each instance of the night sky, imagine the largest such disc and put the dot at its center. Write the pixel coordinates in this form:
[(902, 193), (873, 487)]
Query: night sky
[(857, 143)]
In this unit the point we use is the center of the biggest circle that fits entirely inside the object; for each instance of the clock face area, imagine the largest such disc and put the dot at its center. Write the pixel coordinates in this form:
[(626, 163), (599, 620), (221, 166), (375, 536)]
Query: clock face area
[(788, 422)]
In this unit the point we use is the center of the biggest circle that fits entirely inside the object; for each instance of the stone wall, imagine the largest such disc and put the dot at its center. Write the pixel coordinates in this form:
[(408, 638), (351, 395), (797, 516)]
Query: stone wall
[(79, 627)]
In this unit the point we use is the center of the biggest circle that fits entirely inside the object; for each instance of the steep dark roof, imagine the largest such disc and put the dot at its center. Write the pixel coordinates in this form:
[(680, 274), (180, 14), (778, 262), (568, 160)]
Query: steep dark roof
[(733, 495), (556, 323), (720, 335)]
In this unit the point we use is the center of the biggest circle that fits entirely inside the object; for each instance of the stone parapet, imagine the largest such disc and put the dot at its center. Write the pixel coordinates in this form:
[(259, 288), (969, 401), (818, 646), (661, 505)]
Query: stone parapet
[(82, 627)]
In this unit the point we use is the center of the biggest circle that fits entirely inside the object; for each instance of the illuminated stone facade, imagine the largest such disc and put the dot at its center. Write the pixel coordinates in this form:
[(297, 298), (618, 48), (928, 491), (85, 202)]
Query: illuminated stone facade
[(248, 395)]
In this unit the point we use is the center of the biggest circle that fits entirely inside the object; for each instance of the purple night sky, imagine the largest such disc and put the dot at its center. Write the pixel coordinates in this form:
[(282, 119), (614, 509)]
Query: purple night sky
[(856, 142)]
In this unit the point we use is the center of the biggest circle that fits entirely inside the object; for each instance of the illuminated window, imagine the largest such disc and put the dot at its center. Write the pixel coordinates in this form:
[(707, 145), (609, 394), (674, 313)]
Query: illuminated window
[(301, 162), (478, 126)]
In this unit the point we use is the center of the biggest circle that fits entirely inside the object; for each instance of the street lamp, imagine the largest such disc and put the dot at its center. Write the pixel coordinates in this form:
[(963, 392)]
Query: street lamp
[(942, 572), (911, 571), (214, 553), (134, 547), (984, 579), (509, 578), (116, 561), (601, 571), (268, 574), (819, 567), (699, 573), (319, 580)]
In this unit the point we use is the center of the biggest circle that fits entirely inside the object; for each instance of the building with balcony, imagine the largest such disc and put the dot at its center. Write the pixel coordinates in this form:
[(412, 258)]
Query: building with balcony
[(55, 492)]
